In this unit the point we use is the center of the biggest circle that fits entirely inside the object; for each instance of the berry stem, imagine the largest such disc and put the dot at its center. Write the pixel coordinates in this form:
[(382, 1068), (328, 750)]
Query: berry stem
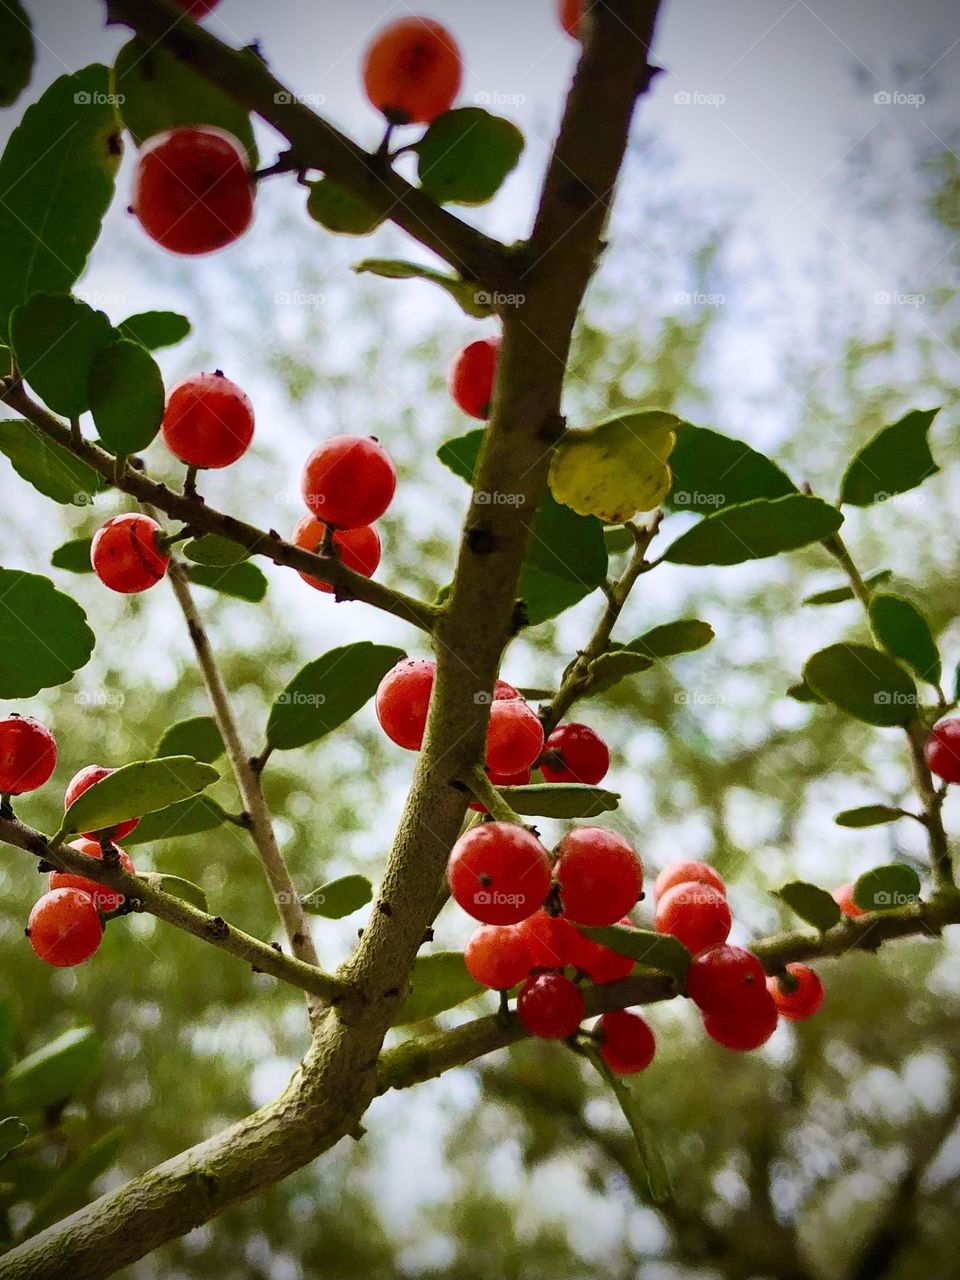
[(577, 682), (247, 777), (931, 798), (6, 808), (487, 794)]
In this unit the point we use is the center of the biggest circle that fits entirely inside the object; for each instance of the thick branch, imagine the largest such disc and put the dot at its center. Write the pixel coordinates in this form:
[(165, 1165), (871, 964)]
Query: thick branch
[(138, 889), (315, 143), (193, 511), (248, 781)]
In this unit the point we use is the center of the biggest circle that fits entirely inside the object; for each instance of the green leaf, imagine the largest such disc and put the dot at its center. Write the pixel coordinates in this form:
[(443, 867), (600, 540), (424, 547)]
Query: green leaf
[(896, 460), (566, 559), (886, 888), (439, 981), (51, 470), (651, 1159), (617, 468), (178, 887), (339, 898), (465, 155), (44, 637), (186, 818), (612, 667), (839, 595), (16, 51), (242, 581), (135, 789), (12, 1135), (905, 634), (803, 693), (560, 800), (810, 903), (60, 1070), (686, 635), (199, 738), (73, 556), (126, 397), (868, 815), (159, 91), (213, 550), (325, 693), (56, 182), (56, 339), (70, 1188), (711, 471), (863, 682), (757, 529), (652, 950), (340, 211), (471, 300), (154, 329)]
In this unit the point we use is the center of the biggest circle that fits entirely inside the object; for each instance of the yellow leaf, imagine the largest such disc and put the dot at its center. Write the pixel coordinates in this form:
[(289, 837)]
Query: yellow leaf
[(616, 469)]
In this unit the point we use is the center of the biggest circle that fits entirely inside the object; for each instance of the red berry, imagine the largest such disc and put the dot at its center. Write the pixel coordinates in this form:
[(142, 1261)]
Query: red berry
[(403, 700), (192, 190), (695, 914), (126, 555), (499, 873), (349, 481), (723, 977), (104, 899), (64, 927), (628, 1044), (28, 754), (583, 755), (496, 956), (208, 421), (943, 750), (412, 71), (800, 998), (552, 941), (571, 13), (599, 874), (686, 873), (550, 1006), (514, 736), (359, 549), (503, 692), (744, 1026), (81, 782), (599, 963), (521, 779), (472, 375), (197, 8), (843, 897)]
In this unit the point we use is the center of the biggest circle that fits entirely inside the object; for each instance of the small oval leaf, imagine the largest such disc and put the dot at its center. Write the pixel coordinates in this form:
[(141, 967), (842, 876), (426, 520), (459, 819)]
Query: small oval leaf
[(16, 51), (178, 887), (868, 815), (56, 340), (186, 818), (73, 556), (325, 693), (241, 581), (59, 1070), (615, 469), (896, 460), (560, 800), (472, 300), (339, 898), (154, 329), (199, 737), (33, 607), (886, 888), (810, 903), (755, 530), (905, 634), (863, 682), (126, 397), (135, 789), (466, 154), (438, 981), (652, 950), (340, 211), (51, 470)]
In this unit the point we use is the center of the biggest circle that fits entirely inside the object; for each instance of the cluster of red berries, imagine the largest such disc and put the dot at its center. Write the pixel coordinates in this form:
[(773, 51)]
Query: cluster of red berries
[(529, 910), (740, 1004), (208, 423), (348, 483), (66, 924), (942, 751), (515, 738)]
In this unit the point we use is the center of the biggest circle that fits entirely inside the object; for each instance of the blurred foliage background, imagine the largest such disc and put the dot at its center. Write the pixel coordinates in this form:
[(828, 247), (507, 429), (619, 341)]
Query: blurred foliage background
[(831, 1153)]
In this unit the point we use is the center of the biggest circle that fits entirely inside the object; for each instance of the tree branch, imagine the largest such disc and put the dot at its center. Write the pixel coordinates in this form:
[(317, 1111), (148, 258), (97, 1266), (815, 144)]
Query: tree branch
[(193, 511), (180, 914), (316, 144), (248, 781)]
